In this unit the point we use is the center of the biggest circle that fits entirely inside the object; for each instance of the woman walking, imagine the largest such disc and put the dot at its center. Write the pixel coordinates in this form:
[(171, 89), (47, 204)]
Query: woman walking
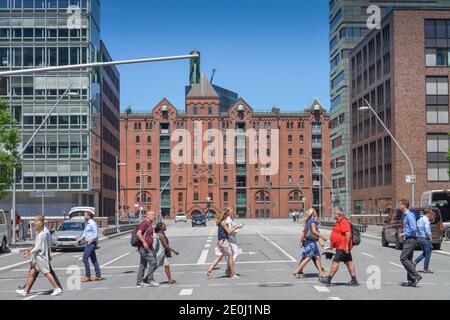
[(165, 251), (223, 244), (232, 239), (310, 249), (39, 262)]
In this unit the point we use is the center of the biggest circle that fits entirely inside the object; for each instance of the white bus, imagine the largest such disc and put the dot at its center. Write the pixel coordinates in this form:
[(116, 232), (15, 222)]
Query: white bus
[(438, 199)]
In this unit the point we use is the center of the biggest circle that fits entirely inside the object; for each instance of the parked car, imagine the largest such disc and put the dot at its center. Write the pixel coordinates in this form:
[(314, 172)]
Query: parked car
[(198, 220), (65, 237), (78, 212), (393, 226), (3, 232), (437, 199), (180, 217)]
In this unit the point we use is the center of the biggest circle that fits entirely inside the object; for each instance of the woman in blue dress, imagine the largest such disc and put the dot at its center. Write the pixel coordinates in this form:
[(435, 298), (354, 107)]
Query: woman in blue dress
[(310, 249)]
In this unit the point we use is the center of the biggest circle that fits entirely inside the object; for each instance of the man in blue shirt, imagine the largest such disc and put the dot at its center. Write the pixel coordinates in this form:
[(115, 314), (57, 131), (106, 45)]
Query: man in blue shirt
[(409, 245), (425, 239), (90, 235)]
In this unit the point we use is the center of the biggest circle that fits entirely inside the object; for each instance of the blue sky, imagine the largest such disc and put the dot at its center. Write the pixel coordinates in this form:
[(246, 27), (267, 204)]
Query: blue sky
[(272, 52)]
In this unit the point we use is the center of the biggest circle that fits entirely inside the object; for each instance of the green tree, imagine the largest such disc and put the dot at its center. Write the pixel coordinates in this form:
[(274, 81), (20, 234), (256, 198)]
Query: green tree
[(9, 143)]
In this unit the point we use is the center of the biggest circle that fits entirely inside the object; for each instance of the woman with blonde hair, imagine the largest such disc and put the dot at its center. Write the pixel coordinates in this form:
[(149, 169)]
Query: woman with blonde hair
[(223, 244), (310, 249), (39, 261)]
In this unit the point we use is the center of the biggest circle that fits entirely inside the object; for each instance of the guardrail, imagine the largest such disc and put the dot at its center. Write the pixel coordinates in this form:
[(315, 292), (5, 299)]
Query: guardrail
[(123, 228), (359, 227)]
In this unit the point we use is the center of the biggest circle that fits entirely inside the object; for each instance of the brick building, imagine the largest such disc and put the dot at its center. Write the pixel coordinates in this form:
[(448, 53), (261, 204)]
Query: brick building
[(403, 71), (150, 142)]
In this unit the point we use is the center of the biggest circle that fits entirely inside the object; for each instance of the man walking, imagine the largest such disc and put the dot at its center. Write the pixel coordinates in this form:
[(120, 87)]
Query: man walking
[(410, 243), (425, 239), (341, 240), (41, 218), (146, 252), (90, 235)]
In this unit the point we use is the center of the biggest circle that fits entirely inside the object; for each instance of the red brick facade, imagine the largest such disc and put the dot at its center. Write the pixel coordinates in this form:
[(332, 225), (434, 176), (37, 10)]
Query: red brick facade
[(223, 182), (404, 111)]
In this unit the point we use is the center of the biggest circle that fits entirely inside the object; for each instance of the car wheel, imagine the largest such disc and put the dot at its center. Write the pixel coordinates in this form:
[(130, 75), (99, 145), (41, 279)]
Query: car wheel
[(3, 247), (436, 246), (384, 242), (398, 245)]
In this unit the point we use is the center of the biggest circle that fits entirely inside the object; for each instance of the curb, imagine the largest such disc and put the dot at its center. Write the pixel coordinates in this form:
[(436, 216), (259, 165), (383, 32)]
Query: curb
[(115, 235)]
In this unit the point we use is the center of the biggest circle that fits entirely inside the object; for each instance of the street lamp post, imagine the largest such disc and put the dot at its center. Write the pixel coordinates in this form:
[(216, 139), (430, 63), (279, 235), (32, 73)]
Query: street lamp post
[(369, 107), (13, 209), (117, 189), (326, 179), (141, 175), (298, 185)]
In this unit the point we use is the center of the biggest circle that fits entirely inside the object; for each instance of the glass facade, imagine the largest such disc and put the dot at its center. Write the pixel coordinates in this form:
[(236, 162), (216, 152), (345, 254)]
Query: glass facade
[(65, 156)]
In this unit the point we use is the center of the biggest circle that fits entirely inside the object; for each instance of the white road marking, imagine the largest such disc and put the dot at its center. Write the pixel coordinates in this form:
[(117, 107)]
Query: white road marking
[(8, 254), (321, 289), (114, 260), (396, 264), (208, 241), (218, 285), (277, 246), (126, 237), (334, 298), (186, 292), (203, 257), (368, 255), (189, 285), (22, 263), (445, 253), (207, 245), (30, 297)]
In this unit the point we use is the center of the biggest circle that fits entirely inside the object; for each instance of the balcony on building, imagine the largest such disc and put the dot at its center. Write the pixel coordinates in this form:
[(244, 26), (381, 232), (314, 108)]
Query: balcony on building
[(241, 200), (316, 129), (241, 182), (164, 142), (164, 156), (165, 202), (164, 169), (241, 170)]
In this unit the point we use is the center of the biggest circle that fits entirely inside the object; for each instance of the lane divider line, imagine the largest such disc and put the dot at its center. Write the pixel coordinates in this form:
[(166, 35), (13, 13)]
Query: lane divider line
[(203, 256), (368, 255), (114, 260), (277, 246), (396, 264)]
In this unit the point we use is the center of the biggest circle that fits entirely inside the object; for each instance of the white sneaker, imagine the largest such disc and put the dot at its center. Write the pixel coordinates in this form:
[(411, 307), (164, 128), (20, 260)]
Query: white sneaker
[(21, 293), (154, 284), (56, 292)]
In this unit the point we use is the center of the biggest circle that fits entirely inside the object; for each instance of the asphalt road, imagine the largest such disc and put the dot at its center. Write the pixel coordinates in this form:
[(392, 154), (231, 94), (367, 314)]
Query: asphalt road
[(270, 253)]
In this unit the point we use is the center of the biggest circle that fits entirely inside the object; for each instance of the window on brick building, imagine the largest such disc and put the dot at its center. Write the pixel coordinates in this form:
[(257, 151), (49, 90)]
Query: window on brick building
[(149, 180), (138, 140), (138, 167), (195, 196), (225, 196), (138, 154), (437, 100), (437, 162)]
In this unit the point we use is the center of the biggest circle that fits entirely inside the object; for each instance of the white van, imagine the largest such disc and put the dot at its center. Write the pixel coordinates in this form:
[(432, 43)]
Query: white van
[(3, 231), (78, 212), (438, 199)]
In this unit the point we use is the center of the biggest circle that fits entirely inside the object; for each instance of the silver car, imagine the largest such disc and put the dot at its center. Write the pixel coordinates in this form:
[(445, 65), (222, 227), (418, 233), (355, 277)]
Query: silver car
[(67, 234)]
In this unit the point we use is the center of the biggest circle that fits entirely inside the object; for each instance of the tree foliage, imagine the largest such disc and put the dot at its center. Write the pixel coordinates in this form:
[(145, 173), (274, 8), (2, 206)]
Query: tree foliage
[(9, 143)]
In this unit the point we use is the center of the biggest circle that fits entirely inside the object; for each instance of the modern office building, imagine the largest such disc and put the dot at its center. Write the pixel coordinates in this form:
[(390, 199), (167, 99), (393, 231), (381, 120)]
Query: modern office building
[(348, 26), (151, 141), (409, 91), (65, 158)]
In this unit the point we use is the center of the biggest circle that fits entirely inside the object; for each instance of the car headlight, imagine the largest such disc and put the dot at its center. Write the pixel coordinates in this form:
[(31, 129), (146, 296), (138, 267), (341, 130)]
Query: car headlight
[(54, 237)]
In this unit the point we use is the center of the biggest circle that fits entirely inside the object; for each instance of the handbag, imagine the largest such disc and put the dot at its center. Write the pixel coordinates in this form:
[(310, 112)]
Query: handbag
[(310, 235)]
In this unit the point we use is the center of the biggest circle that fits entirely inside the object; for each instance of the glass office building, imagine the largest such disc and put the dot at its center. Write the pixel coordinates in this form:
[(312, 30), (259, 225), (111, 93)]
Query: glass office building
[(66, 156)]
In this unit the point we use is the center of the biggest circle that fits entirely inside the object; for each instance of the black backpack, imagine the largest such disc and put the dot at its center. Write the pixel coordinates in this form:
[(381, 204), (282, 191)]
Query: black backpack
[(356, 235), (134, 239)]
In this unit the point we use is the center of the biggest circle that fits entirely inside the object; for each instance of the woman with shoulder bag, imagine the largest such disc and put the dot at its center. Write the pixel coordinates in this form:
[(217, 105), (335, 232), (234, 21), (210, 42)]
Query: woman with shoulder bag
[(310, 249), (165, 251)]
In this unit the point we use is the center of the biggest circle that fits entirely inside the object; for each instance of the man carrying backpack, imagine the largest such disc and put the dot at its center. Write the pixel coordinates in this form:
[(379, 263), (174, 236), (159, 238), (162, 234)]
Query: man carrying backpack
[(341, 240), (145, 247)]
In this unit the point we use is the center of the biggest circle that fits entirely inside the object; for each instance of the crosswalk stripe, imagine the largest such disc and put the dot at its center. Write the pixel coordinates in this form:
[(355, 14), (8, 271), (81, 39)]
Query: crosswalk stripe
[(321, 289), (186, 292)]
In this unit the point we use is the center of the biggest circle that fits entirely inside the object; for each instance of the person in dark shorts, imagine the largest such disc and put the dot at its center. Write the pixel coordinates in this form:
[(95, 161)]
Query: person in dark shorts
[(341, 240)]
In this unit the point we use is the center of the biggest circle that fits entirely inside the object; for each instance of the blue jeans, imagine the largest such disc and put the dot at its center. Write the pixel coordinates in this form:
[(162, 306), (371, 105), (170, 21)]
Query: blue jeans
[(427, 248), (89, 252)]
